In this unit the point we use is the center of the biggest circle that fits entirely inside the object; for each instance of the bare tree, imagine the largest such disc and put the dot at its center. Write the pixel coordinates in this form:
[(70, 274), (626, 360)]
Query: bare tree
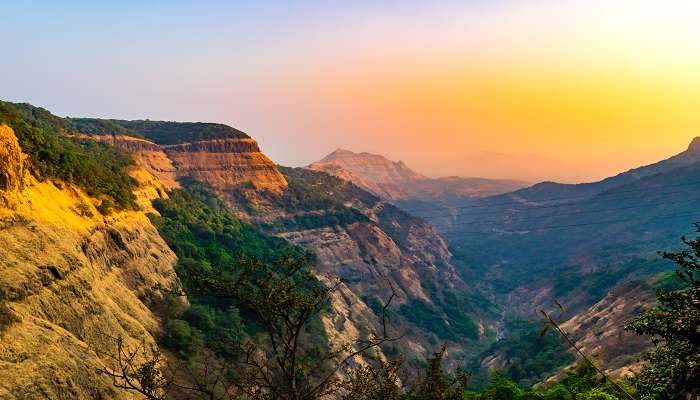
[(144, 370)]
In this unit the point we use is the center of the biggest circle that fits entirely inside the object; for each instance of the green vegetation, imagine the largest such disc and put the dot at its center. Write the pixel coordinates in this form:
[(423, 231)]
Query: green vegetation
[(315, 199), (598, 283), (161, 132), (99, 169), (580, 383), (446, 320), (167, 132), (529, 356), (198, 226), (312, 190), (207, 237), (673, 369), (342, 217), (97, 126)]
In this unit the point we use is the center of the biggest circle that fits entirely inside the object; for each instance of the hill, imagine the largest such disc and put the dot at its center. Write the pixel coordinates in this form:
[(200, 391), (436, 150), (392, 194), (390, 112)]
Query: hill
[(394, 181)]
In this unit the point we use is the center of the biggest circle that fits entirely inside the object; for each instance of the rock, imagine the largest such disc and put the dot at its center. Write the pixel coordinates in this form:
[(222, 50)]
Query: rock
[(12, 166), (226, 163)]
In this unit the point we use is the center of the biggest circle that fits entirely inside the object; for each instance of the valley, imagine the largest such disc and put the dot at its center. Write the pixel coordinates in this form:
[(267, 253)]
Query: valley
[(142, 243)]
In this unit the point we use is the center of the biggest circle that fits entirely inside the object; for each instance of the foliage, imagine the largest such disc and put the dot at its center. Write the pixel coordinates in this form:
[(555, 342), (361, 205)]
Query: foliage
[(447, 322), (435, 384), (167, 132), (161, 132), (97, 126), (529, 356), (373, 382), (198, 226), (342, 217), (673, 370), (99, 169), (314, 190), (579, 383), (206, 236)]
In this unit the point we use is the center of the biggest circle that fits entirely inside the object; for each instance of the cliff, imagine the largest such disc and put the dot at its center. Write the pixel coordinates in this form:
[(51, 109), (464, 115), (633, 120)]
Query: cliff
[(222, 163), (12, 167), (226, 163), (70, 280)]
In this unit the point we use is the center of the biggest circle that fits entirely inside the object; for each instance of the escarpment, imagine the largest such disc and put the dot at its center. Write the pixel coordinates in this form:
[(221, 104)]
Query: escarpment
[(71, 281), (222, 163), (226, 163)]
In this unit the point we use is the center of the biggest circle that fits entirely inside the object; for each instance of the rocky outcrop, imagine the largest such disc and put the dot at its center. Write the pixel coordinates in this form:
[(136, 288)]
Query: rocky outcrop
[(371, 172), (148, 156), (12, 166), (231, 145), (222, 163), (72, 280), (226, 163)]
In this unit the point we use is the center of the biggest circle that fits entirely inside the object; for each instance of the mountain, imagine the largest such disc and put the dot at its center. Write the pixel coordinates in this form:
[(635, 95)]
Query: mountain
[(101, 219), (394, 181), (577, 244), (109, 225), (353, 234), (571, 192)]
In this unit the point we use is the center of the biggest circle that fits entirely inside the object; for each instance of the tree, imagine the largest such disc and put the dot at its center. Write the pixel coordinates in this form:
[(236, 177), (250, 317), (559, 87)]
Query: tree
[(281, 361), (673, 369), (284, 298), (436, 384)]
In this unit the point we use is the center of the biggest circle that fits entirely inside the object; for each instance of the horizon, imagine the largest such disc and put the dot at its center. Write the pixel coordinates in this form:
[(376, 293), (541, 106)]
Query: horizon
[(533, 91)]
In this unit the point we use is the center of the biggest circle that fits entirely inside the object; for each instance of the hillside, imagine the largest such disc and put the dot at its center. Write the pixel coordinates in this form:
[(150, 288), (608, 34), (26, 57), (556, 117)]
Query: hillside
[(128, 232), (71, 279), (211, 200), (577, 244), (394, 181)]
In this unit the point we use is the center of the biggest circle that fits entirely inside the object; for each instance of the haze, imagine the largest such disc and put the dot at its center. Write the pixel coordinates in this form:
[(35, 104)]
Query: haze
[(534, 90)]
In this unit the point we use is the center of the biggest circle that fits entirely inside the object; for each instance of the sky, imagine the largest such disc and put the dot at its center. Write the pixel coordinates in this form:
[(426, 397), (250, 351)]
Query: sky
[(530, 89)]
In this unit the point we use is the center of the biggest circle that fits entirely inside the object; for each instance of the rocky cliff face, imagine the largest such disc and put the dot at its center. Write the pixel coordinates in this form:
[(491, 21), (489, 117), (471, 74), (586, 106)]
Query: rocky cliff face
[(70, 281), (387, 250), (222, 163), (12, 166), (226, 163)]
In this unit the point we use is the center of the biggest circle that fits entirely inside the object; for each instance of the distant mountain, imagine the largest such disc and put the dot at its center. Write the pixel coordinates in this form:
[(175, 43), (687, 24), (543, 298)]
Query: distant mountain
[(576, 244), (546, 191), (395, 181)]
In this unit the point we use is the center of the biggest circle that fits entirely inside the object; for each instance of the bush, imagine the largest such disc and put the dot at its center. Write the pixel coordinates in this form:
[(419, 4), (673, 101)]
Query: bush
[(181, 337), (105, 207)]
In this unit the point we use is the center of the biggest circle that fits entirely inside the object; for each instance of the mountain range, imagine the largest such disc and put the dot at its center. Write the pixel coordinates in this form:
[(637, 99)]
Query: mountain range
[(574, 243), (119, 210), (106, 225), (395, 181)]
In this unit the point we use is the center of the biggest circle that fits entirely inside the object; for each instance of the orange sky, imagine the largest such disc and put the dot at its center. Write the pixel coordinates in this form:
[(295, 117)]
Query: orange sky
[(561, 90), (567, 90)]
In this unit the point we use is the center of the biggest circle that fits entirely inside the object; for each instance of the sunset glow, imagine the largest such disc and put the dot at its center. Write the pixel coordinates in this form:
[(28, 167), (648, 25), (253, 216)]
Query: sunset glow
[(553, 89)]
